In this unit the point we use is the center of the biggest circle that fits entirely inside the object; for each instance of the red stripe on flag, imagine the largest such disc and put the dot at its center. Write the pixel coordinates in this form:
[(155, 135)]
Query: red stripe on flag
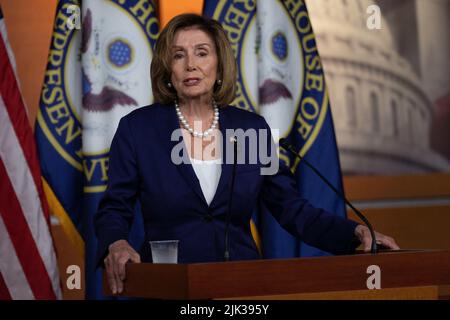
[(23, 241), (9, 90), (4, 292)]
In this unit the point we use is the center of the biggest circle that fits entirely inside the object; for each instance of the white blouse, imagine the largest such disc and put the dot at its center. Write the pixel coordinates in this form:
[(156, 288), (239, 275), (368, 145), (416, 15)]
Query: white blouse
[(208, 173)]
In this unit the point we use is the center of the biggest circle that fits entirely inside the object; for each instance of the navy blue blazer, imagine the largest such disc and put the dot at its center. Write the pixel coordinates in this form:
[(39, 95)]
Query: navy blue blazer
[(173, 205)]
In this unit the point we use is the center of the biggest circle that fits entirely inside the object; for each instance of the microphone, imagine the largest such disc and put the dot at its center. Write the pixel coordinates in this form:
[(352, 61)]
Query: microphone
[(285, 144), (230, 201)]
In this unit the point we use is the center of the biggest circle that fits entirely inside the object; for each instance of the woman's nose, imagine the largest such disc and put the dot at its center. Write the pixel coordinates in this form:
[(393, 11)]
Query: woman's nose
[(190, 63)]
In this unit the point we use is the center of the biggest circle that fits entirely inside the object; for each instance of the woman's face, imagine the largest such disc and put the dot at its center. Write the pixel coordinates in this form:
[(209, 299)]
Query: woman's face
[(194, 64)]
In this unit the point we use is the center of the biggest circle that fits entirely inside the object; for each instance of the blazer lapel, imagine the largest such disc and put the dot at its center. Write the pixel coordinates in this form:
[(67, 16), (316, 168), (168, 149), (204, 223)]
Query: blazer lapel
[(224, 124), (185, 168)]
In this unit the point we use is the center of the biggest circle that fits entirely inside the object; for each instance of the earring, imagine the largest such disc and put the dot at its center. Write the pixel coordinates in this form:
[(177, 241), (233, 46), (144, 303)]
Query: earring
[(169, 84), (219, 82)]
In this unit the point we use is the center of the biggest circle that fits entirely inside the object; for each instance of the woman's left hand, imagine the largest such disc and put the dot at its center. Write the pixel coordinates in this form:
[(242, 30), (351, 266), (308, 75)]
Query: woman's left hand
[(363, 234)]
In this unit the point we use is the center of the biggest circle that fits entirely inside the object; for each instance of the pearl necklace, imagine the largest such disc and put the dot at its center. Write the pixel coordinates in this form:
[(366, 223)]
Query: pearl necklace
[(192, 131)]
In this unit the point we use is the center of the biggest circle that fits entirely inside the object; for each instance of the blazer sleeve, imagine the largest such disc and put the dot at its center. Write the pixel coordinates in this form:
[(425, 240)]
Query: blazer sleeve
[(116, 208), (314, 226)]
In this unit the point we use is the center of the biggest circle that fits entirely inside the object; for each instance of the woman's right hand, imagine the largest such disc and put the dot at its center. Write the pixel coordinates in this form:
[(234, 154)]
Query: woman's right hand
[(120, 252)]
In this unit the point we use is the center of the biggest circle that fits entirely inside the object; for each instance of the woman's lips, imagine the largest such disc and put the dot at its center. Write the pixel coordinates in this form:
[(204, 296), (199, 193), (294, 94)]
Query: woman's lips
[(191, 81)]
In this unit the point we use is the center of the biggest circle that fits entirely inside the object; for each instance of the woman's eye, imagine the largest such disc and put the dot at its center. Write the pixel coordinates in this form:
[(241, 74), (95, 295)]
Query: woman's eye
[(202, 53), (177, 56)]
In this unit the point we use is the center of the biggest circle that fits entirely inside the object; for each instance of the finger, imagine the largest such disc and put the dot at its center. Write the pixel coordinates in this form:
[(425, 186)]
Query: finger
[(367, 240), (135, 257), (395, 246), (110, 276), (386, 241), (390, 243), (367, 244), (115, 266), (121, 265)]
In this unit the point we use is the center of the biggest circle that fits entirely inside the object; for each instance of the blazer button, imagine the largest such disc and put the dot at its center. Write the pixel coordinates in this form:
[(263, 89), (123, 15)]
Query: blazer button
[(209, 218)]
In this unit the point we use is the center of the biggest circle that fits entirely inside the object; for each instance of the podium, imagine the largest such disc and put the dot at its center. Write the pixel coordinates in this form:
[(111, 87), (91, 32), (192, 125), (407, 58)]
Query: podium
[(407, 274)]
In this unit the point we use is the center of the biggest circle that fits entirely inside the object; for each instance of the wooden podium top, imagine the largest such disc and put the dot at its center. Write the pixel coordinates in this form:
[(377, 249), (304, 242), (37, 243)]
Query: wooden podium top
[(407, 268)]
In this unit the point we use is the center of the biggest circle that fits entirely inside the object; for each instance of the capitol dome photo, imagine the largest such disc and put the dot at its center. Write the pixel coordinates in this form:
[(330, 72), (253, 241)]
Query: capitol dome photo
[(381, 108)]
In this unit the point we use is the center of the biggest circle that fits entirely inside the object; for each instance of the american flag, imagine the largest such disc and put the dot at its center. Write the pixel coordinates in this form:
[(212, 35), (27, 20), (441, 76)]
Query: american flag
[(28, 266)]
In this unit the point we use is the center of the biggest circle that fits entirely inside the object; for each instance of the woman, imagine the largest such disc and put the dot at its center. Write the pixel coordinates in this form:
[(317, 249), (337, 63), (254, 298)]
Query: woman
[(193, 76)]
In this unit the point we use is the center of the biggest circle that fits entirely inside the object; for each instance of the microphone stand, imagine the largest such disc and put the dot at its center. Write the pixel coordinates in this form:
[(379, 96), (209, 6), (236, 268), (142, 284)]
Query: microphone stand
[(288, 147), (230, 200)]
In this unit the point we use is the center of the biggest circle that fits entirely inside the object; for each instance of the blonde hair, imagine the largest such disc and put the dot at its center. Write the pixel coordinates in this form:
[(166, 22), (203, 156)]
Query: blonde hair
[(160, 69)]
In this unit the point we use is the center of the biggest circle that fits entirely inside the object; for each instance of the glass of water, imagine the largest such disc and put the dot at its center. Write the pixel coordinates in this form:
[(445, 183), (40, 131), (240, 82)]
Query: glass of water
[(165, 251)]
